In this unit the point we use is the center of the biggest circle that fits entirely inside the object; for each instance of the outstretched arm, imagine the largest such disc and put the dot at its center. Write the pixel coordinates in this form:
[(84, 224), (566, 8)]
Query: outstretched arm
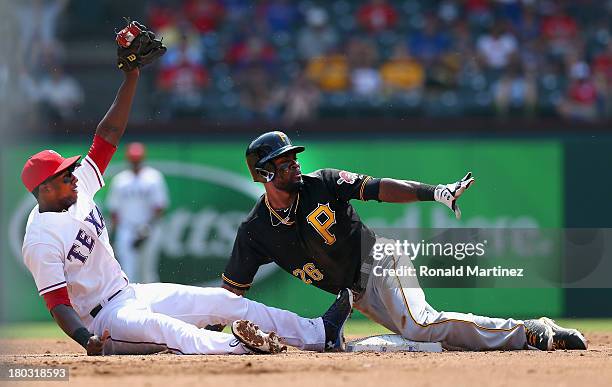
[(113, 125), (405, 191)]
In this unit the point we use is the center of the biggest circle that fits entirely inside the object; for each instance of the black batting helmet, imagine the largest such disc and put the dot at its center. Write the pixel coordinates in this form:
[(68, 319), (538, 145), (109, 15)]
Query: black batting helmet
[(263, 150)]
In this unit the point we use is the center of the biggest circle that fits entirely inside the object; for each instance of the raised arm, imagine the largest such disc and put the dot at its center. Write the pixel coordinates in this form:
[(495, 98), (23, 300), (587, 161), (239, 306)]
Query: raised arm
[(137, 47), (113, 125)]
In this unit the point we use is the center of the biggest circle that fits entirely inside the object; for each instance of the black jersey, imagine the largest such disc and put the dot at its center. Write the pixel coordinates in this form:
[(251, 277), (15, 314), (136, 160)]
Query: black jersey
[(320, 240)]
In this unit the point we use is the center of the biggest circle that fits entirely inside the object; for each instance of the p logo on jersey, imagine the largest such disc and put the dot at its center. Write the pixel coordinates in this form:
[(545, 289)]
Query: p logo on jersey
[(347, 177)]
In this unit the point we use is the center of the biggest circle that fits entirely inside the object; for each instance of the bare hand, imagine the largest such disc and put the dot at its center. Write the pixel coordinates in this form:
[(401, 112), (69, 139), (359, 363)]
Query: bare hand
[(95, 344)]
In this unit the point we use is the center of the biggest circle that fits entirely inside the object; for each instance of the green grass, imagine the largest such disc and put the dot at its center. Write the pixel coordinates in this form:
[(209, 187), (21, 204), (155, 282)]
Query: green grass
[(354, 328), (33, 330)]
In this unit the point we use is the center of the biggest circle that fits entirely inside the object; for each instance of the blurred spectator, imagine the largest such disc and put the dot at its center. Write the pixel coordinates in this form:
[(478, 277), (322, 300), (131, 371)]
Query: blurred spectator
[(20, 95), (445, 73), (252, 50), (528, 27), (38, 21), (317, 37), (377, 15), (186, 49), (602, 74), (301, 100), (559, 29), (182, 82), (161, 14), (169, 21), (602, 65), (280, 15), (205, 15), (479, 12), (510, 10), (365, 78), (531, 55), (497, 48), (428, 44), (329, 72), (237, 11), (580, 102), (259, 95), (448, 11), (515, 91), (402, 73), (59, 94)]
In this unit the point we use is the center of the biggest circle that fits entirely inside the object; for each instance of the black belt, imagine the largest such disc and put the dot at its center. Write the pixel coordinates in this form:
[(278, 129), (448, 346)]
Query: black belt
[(94, 312)]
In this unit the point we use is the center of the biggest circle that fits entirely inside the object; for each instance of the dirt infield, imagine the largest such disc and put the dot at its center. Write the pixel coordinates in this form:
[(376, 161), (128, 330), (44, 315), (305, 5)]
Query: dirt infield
[(295, 368)]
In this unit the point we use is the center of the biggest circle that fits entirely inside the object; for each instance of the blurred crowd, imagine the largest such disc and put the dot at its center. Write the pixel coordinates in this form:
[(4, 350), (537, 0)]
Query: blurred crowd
[(294, 60), (299, 60)]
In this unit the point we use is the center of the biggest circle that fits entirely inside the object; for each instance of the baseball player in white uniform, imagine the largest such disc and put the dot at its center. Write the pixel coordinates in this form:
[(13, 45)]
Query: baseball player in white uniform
[(137, 198), (66, 248)]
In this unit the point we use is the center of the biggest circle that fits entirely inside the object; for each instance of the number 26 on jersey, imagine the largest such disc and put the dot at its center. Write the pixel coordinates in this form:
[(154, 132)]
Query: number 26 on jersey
[(308, 273)]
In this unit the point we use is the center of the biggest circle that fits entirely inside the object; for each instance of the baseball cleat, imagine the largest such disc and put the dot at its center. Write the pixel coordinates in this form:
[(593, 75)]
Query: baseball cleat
[(257, 340), (539, 335), (565, 338), (334, 320)]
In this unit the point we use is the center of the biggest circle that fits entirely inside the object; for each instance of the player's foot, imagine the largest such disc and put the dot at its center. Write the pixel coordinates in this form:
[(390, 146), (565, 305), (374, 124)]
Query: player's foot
[(565, 338), (334, 320), (255, 339), (539, 335)]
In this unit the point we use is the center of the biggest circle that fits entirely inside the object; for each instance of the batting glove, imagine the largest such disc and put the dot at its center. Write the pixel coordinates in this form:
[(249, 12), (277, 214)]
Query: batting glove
[(448, 194)]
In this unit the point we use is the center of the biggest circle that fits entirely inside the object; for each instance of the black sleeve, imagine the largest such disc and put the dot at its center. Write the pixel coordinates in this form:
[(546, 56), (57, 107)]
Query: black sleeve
[(349, 185), (244, 262)]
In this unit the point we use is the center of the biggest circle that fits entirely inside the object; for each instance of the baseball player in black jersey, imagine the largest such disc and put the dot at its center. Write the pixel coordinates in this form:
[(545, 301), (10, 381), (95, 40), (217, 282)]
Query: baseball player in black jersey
[(306, 225)]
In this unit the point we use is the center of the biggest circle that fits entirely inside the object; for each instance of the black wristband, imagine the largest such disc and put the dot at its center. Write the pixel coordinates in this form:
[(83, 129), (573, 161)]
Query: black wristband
[(425, 192), (371, 189), (82, 336)]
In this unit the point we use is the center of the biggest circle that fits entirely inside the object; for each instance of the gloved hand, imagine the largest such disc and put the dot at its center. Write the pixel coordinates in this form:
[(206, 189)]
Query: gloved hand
[(142, 234), (137, 46), (448, 194)]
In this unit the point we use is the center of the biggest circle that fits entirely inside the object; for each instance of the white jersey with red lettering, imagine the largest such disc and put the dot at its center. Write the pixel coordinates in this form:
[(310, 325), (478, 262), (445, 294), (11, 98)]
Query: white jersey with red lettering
[(71, 249)]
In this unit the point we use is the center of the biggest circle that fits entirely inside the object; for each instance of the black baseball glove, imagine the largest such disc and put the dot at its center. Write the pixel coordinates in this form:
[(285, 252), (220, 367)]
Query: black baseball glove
[(137, 46)]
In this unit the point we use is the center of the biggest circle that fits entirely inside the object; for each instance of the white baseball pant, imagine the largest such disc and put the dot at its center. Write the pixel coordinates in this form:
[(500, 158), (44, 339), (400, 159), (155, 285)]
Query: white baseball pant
[(148, 318)]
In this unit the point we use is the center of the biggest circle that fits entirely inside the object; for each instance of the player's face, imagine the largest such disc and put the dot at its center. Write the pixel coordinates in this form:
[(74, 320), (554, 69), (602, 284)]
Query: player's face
[(288, 173), (63, 188)]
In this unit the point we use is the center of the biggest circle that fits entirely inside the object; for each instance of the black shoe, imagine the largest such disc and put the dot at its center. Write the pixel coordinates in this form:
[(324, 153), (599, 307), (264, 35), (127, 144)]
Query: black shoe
[(334, 320), (539, 335), (564, 338)]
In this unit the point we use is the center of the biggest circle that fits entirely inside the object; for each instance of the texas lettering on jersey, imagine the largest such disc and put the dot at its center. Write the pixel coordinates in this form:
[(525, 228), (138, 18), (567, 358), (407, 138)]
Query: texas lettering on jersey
[(84, 243), (322, 247)]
